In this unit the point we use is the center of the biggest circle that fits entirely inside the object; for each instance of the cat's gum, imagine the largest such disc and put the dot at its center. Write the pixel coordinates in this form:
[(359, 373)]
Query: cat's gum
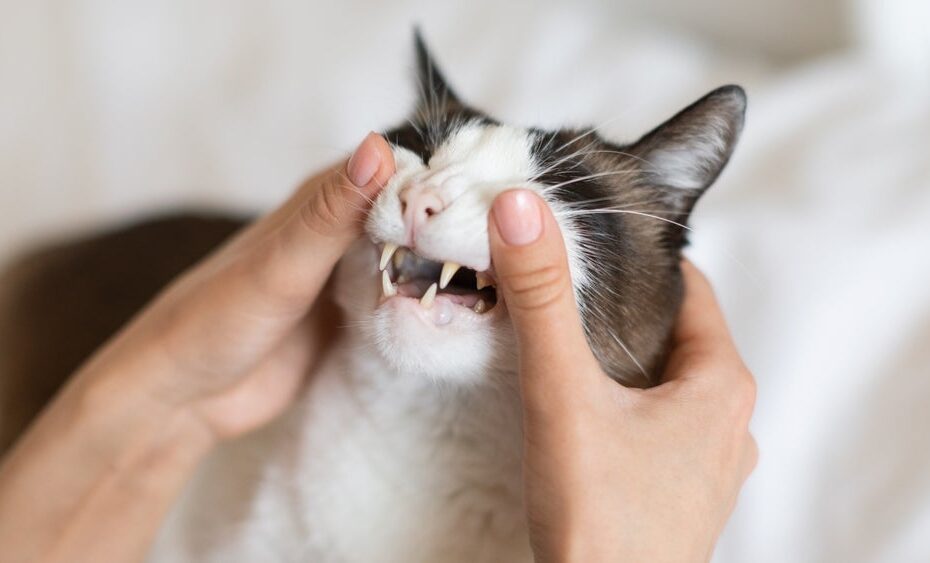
[(446, 309)]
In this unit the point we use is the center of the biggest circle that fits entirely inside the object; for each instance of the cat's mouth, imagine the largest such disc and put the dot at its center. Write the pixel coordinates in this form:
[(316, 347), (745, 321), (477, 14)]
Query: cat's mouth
[(405, 274)]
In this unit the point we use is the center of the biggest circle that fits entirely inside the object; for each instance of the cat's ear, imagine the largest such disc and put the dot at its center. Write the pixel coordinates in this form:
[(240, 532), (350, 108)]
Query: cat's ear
[(684, 155), (434, 91)]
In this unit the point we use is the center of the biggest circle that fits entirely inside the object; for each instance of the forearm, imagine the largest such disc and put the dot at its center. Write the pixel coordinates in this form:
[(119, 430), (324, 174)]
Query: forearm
[(95, 475)]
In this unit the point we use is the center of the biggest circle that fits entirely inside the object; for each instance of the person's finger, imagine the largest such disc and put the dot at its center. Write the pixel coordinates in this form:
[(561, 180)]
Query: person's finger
[(318, 225), (700, 330), (532, 270), (282, 262), (265, 281), (750, 457), (702, 344), (700, 317)]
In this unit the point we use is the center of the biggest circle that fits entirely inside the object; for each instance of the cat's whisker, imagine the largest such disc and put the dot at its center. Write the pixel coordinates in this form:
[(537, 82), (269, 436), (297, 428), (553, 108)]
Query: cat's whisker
[(640, 213), (577, 138), (353, 205), (415, 126), (616, 338), (607, 323), (348, 186), (555, 165), (554, 187), (588, 149), (583, 212), (590, 131), (612, 198), (623, 153), (577, 152)]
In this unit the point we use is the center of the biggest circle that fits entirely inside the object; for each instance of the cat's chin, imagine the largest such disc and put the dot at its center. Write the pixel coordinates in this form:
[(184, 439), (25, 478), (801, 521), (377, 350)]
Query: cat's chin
[(446, 336), (445, 341)]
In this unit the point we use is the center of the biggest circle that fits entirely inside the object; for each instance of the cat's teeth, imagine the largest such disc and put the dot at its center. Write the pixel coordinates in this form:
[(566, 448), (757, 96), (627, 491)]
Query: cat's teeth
[(448, 270), (389, 249), (484, 280), (480, 306), (387, 287), (402, 278), (399, 257), (429, 296)]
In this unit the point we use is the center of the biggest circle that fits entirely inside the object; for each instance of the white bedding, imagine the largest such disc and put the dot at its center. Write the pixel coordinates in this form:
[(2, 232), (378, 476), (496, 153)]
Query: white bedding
[(817, 236)]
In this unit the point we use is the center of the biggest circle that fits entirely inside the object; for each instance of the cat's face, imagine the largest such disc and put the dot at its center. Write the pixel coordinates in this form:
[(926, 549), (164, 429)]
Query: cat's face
[(422, 291)]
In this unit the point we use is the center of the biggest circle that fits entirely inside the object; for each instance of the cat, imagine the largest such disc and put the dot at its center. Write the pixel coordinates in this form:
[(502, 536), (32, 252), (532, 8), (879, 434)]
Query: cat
[(406, 445)]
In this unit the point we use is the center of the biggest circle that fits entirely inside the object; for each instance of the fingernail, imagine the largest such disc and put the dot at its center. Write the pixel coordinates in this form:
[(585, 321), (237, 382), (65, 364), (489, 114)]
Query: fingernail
[(518, 217), (364, 163)]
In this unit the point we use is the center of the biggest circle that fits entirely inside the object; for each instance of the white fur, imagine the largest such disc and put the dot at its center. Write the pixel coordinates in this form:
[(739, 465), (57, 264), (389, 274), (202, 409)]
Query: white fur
[(685, 164), (407, 443), (373, 465), (474, 165)]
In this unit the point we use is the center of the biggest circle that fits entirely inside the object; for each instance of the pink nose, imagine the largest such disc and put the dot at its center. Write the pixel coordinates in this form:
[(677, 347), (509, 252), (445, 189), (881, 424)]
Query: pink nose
[(418, 205)]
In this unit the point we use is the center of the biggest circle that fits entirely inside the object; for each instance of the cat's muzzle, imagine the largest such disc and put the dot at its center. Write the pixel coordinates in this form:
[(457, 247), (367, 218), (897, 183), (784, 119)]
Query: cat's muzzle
[(405, 273)]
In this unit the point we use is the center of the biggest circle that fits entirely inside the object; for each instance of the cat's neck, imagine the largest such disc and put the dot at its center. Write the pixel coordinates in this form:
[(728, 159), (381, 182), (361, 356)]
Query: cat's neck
[(487, 411)]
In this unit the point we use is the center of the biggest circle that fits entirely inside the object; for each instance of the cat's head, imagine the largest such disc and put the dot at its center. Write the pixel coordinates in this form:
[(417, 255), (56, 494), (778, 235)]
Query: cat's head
[(422, 288)]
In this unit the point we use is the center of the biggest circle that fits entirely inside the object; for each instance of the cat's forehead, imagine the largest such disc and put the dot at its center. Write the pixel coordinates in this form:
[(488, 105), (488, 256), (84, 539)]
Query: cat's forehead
[(485, 151), (489, 150)]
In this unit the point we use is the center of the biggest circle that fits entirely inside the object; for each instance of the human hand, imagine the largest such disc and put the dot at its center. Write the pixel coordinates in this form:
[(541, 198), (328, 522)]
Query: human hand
[(231, 341), (223, 350), (612, 473)]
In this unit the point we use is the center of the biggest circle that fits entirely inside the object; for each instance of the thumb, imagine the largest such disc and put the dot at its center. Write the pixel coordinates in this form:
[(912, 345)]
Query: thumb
[(531, 266), (329, 207), (237, 306), (307, 235)]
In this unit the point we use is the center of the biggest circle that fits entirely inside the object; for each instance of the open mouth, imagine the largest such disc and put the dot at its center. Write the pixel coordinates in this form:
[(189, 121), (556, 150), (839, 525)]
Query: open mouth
[(404, 273)]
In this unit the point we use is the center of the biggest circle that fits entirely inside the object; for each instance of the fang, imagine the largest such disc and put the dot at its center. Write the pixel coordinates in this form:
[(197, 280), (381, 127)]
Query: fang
[(429, 297), (448, 270), (386, 286), (389, 249)]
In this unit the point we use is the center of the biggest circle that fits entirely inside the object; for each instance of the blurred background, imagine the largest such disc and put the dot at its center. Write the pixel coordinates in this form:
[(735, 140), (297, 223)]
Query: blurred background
[(817, 236)]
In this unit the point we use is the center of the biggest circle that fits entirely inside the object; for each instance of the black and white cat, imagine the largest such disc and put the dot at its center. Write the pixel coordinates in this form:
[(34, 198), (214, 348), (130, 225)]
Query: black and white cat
[(407, 443)]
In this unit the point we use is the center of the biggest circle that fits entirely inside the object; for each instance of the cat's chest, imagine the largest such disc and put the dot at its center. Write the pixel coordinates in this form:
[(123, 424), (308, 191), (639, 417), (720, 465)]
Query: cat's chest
[(371, 466), (417, 469)]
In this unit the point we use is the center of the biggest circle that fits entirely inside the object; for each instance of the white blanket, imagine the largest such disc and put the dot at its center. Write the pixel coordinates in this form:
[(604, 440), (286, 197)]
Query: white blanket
[(817, 236)]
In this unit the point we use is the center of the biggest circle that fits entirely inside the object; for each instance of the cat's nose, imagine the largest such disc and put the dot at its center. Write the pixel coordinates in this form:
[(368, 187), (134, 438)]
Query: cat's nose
[(418, 205)]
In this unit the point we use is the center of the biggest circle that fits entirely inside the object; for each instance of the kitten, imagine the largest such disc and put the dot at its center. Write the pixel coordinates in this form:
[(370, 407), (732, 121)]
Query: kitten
[(407, 443)]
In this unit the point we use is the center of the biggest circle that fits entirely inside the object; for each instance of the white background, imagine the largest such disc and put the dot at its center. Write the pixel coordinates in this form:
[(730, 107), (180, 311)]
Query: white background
[(817, 236)]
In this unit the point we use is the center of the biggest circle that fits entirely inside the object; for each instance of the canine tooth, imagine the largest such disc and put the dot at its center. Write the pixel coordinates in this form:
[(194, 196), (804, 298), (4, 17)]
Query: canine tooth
[(389, 249), (386, 286), (484, 280), (448, 270), (429, 297), (399, 257), (480, 306)]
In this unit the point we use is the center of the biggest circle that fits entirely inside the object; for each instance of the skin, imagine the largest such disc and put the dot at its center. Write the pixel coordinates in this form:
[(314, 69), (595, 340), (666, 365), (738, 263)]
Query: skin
[(220, 352), (610, 472)]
